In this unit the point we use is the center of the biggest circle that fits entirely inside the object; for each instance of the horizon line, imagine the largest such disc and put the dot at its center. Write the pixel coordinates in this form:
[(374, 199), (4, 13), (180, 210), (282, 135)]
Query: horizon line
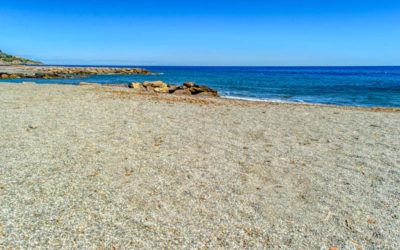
[(236, 66)]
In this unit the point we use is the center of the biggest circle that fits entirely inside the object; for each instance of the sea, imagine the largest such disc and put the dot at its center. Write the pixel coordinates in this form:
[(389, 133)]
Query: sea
[(347, 86)]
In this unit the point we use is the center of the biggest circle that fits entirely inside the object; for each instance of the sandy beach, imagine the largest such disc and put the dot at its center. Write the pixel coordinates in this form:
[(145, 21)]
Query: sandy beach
[(90, 167)]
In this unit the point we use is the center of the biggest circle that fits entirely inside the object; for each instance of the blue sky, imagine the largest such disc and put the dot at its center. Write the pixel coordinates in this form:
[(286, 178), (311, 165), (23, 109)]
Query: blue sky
[(258, 32)]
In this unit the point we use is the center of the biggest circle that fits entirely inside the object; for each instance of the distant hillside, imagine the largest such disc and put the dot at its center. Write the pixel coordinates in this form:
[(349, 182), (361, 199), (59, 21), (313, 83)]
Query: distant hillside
[(6, 59)]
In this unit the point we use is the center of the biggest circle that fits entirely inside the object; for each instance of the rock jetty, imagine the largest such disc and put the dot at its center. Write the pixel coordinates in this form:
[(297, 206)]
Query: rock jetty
[(187, 88), (52, 72)]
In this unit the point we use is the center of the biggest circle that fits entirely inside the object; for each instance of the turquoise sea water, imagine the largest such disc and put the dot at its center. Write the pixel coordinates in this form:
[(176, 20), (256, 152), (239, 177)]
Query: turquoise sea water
[(355, 86)]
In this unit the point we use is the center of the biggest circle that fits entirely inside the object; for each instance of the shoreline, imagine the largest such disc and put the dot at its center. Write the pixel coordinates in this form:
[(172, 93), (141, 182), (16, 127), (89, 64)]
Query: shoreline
[(359, 97), (277, 101), (240, 99)]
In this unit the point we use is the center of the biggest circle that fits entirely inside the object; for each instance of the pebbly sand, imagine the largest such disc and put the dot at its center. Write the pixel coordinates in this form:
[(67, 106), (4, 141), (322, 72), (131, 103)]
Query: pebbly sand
[(105, 168)]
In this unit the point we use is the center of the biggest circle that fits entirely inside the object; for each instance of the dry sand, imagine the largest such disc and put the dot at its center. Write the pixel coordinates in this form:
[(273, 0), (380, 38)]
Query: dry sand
[(93, 168)]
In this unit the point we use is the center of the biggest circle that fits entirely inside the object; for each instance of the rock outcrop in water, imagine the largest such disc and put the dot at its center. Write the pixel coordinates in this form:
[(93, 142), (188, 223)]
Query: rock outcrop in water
[(53, 72), (188, 88)]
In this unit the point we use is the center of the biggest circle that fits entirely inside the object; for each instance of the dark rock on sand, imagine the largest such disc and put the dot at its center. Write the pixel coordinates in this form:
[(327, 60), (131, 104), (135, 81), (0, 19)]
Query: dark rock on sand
[(208, 93), (173, 88), (183, 92), (189, 84), (203, 90)]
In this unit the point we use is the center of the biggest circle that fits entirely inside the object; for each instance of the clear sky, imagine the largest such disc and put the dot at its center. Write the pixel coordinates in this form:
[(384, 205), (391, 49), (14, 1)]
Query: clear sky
[(207, 32)]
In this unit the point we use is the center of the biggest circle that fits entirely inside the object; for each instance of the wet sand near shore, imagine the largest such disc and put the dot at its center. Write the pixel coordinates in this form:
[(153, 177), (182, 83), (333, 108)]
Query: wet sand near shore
[(107, 167)]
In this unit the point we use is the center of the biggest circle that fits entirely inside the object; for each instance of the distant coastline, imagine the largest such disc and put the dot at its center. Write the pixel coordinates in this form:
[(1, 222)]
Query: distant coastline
[(7, 59)]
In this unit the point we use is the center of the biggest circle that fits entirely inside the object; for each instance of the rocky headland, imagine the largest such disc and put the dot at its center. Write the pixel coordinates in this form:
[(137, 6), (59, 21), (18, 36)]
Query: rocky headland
[(14, 67), (7, 59), (53, 72)]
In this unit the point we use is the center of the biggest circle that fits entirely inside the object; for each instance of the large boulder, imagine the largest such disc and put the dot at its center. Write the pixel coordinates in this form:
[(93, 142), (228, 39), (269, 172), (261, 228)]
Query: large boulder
[(203, 89), (173, 88), (189, 84), (164, 89), (182, 92), (150, 89), (208, 93), (136, 85), (155, 84)]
